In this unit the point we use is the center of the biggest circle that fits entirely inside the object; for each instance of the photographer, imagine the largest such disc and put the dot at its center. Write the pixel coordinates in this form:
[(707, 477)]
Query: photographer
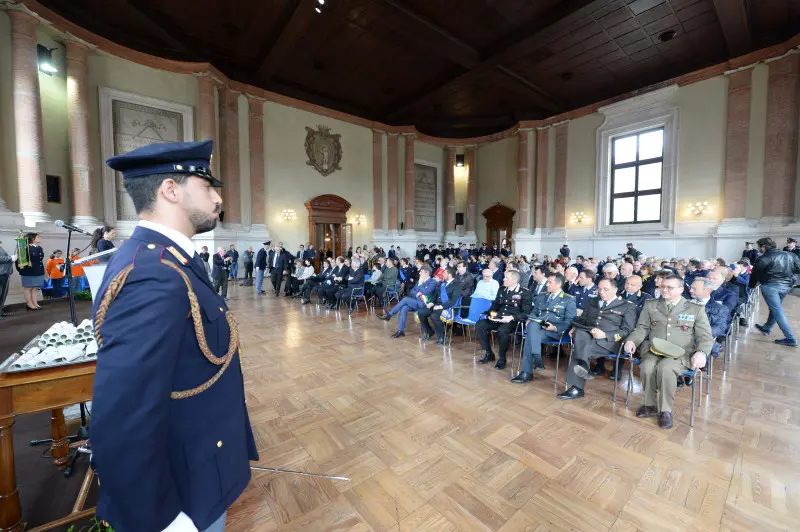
[(220, 272)]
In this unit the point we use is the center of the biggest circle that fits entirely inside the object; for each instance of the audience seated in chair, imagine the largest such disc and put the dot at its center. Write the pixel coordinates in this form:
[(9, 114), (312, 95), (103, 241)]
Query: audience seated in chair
[(354, 279), (416, 299), (600, 329), (445, 297), (681, 327), (552, 315), (487, 287), (511, 305)]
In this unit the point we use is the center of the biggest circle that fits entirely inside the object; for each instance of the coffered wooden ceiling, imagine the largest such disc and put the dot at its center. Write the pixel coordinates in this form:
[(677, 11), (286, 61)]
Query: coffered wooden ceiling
[(453, 68)]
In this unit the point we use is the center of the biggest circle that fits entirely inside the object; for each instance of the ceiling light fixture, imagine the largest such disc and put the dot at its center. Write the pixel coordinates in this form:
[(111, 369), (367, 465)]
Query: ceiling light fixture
[(321, 2), (318, 10), (459, 160), (667, 36)]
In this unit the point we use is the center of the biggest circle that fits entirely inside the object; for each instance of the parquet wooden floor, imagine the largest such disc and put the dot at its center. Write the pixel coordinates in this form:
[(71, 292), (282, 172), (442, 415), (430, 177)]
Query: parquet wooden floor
[(434, 441)]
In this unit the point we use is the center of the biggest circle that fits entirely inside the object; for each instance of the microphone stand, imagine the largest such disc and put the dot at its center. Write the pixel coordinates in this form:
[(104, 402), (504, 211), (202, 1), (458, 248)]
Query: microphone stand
[(83, 431)]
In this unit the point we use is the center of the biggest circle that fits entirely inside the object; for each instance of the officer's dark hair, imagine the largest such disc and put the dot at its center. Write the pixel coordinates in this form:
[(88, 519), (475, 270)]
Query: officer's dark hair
[(695, 263), (558, 277), (514, 274), (451, 271), (744, 262), (425, 268), (541, 268), (673, 277), (30, 237), (766, 243), (589, 273), (143, 190), (610, 282), (663, 274)]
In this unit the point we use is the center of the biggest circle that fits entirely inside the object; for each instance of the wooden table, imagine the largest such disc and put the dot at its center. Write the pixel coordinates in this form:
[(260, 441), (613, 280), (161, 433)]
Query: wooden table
[(26, 393)]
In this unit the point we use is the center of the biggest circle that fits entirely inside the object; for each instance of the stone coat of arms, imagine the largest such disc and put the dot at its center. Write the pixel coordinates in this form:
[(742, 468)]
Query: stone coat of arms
[(323, 149)]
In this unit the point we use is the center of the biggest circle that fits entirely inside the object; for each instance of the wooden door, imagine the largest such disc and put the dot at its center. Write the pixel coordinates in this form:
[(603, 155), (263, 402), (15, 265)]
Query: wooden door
[(499, 224), (327, 214)]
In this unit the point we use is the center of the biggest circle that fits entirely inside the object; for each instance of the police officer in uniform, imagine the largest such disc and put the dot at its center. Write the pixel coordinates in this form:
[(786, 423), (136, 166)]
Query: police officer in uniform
[(512, 304), (552, 315), (672, 335), (633, 292), (170, 433), (605, 322), (586, 289)]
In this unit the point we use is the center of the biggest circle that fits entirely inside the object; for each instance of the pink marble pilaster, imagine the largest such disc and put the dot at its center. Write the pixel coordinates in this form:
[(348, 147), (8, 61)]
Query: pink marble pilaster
[(472, 189), (391, 178), (522, 179), (409, 183), (377, 180), (229, 155), (542, 164), (27, 117), (450, 190), (560, 185), (257, 178), (737, 143), (79, 145), (780, 163), (207, 117)]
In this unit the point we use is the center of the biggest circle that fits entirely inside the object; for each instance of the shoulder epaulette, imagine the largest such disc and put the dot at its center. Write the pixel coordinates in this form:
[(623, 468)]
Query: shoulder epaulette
[(695, 303), (651, 300)]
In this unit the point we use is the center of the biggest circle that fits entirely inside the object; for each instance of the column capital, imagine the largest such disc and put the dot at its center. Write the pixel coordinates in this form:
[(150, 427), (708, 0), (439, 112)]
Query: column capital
[(22, 20), (76, 51)]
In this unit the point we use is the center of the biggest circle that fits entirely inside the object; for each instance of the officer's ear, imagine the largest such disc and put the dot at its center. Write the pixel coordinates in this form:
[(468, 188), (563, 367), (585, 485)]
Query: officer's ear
[(170, 190)]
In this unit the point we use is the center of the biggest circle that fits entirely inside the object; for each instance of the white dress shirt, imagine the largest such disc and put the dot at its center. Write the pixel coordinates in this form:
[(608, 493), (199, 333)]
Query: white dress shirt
[(486, 289)]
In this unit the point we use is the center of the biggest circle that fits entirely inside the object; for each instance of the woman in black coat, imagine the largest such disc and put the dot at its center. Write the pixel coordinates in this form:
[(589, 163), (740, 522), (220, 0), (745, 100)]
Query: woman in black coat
[(32, 275)]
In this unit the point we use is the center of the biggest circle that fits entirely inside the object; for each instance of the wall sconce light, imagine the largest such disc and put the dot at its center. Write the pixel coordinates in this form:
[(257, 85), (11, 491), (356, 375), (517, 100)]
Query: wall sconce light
[(360, 219), (45, 55), (460, 160), (288, 214), (698, 208), (577, 217)]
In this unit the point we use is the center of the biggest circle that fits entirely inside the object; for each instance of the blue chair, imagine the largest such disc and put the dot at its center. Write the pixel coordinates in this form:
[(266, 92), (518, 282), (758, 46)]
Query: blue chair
[(478, 306), (356, 296), (564, 339), (391, 294), (447, 317)]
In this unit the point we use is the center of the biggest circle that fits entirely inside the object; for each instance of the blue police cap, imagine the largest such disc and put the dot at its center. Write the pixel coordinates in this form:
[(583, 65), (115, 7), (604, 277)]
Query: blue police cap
[(192, 158)]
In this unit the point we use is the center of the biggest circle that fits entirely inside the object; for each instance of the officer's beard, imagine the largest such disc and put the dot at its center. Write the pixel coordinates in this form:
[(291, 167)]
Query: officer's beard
[(202, 221)]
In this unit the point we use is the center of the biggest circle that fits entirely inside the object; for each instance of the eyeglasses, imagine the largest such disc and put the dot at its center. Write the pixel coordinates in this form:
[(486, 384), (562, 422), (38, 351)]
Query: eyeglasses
[(669, 287)]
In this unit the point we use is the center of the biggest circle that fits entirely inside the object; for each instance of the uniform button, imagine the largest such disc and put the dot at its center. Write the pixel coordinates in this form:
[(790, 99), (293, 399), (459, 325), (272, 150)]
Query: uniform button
[(219, 443), (151, 246), (221, 309), (667, 334)]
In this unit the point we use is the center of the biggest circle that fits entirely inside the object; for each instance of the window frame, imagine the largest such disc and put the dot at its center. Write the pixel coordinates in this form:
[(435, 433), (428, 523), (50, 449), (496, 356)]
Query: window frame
[(636, 115), (636, 163)]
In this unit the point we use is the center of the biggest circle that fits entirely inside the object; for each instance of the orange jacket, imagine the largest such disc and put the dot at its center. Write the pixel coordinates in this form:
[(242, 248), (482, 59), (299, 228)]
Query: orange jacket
[(52, 268), (77, 271)]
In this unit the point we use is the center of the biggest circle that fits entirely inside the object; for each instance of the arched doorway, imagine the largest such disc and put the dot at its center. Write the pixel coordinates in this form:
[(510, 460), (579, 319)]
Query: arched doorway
[(327, 225), (499, 224)]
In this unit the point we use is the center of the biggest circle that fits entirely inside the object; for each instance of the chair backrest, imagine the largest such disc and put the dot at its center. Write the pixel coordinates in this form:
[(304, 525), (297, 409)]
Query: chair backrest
[(478, 306), (358, 292)]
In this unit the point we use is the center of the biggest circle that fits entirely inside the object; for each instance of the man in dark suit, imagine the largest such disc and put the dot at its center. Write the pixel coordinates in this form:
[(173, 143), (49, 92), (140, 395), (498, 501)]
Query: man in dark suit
[(444, 298), (280, 261), (260, 264), (301, 252), (701, 290), (353, 281), (171, 438), (309, 253), (417, 297), (338, 280), (219, 272), (606, 321), (538, 282)]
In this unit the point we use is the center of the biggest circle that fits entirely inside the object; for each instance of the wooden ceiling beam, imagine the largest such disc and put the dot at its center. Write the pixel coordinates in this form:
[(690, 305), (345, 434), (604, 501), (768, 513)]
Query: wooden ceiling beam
[(295, 29), (436, 39), (531, 37), (734, 18), (149, 21)]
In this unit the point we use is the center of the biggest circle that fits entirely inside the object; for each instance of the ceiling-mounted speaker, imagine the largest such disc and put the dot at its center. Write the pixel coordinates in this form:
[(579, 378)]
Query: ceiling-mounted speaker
[(459, 218)]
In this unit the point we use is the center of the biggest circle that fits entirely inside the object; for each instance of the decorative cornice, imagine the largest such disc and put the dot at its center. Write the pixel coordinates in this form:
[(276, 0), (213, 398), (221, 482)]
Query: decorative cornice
[(69, 30)]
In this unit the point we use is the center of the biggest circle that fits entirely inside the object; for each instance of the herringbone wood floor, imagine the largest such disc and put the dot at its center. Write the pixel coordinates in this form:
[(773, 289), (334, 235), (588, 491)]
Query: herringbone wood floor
[(434, 441)]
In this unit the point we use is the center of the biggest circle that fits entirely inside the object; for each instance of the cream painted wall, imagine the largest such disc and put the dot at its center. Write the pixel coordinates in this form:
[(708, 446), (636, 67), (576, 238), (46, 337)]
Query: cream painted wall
[(701, 146), (291, 183), (115, 73), (496, 177), (582, 166), (55, 125)]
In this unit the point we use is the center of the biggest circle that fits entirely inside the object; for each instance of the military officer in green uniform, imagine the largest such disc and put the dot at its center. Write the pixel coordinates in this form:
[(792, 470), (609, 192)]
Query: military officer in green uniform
[(672, 335), (605, 322)]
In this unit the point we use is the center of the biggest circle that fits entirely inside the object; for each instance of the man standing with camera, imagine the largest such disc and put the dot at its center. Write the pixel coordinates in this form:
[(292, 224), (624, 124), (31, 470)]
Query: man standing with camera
[(220, 272), (774, 270)]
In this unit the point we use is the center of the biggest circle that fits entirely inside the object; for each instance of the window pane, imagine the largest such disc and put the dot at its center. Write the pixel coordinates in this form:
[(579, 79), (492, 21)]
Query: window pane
[(625, 150), (623, 210), (624, 180), (649, 208), (651, 144), (650, 176)]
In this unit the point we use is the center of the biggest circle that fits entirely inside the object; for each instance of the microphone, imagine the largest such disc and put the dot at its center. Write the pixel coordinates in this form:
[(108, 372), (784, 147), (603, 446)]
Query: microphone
[(70, 227)]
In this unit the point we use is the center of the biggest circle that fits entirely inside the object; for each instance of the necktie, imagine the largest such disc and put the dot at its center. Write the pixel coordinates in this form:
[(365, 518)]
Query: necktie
[(602, 304)]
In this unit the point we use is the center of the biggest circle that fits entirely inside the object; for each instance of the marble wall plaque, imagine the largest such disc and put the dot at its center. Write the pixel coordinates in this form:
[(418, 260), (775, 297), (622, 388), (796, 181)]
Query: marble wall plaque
[(425, 185), (135, 126)]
